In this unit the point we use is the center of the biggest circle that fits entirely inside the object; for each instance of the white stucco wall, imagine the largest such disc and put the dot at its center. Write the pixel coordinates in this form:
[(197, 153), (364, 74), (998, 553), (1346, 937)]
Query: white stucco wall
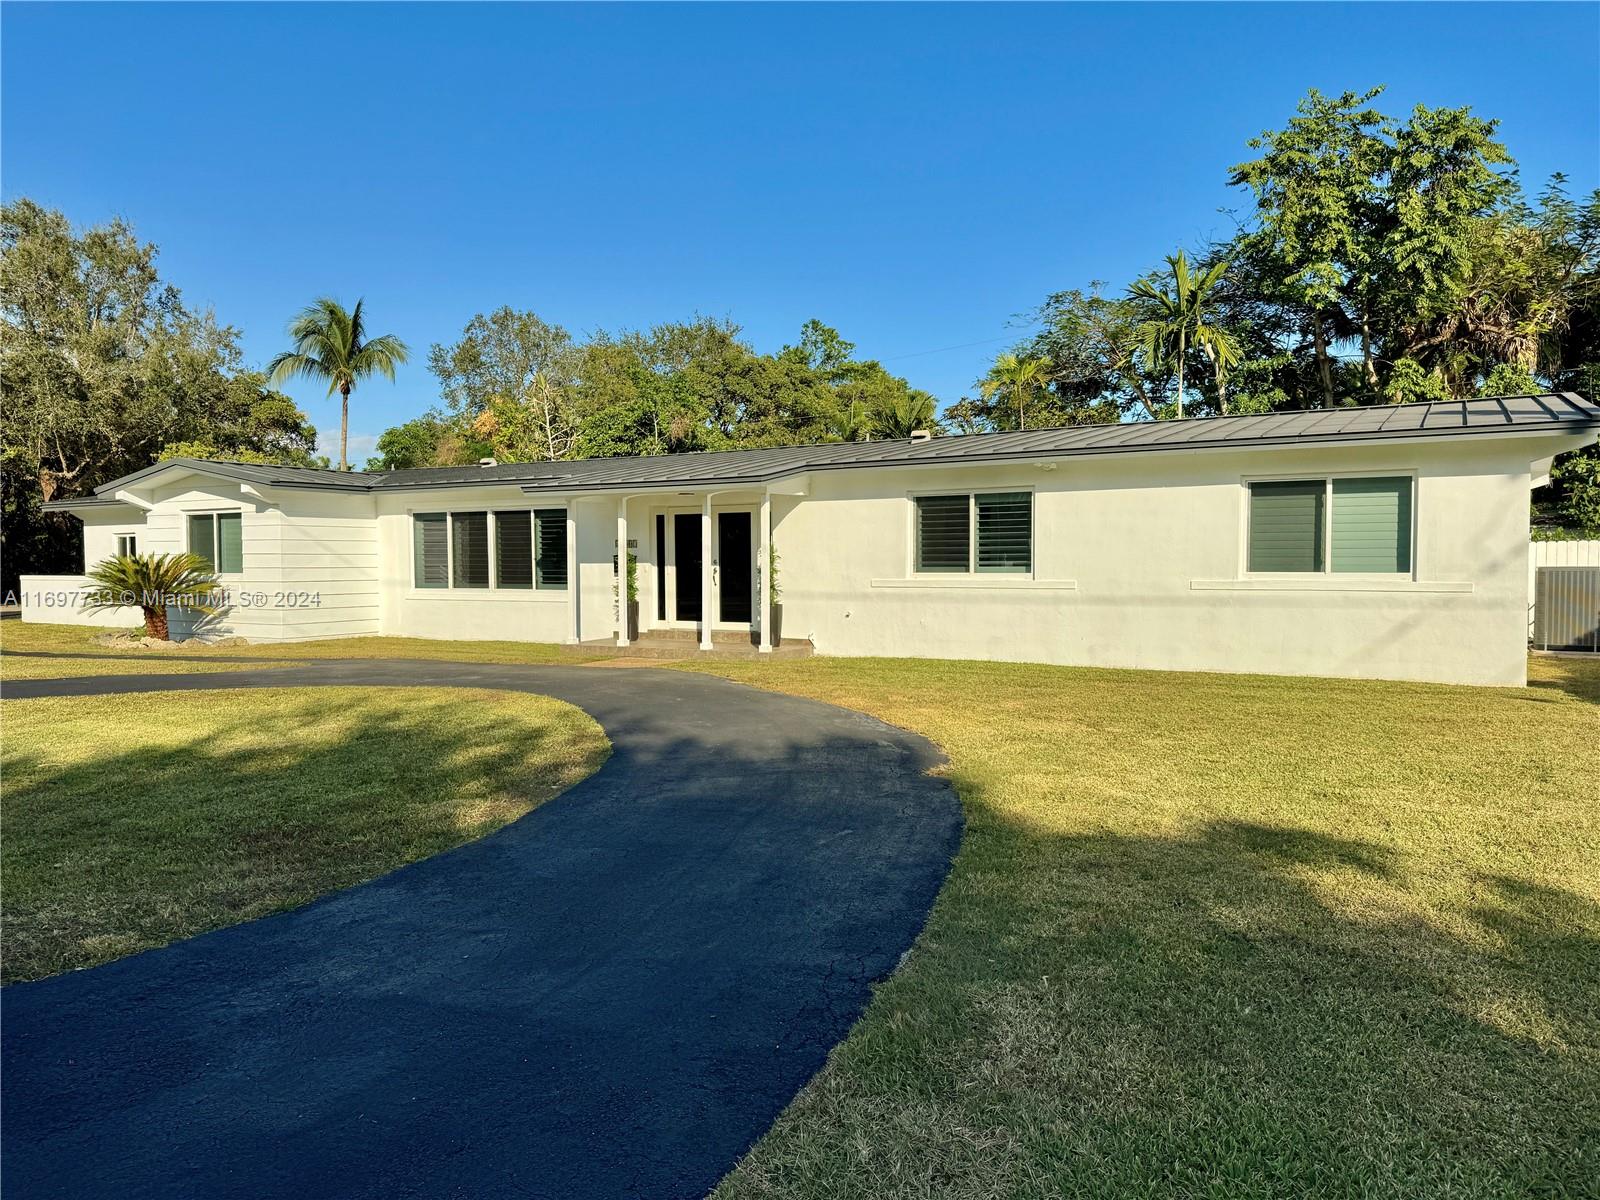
[(476, 614), (1139, 562)]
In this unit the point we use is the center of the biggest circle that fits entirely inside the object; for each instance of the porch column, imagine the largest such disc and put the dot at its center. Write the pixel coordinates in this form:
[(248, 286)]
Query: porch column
[(708, 598), (572, 571), (622, 570), (764, 572)]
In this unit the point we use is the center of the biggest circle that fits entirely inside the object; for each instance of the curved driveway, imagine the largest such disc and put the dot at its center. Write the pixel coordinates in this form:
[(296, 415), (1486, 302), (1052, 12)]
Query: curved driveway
[(611, 997)]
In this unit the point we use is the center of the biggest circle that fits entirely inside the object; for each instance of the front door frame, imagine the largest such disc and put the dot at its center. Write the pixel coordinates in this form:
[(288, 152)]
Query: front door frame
[(666, 556)]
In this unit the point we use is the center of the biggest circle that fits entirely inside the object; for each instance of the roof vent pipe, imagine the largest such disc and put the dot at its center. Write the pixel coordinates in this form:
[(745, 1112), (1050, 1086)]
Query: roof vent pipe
[(921, 435), (487, 462)]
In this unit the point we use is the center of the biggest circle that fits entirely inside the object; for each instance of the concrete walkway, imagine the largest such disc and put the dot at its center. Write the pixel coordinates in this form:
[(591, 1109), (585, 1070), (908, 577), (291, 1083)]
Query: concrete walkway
[(612, 997)]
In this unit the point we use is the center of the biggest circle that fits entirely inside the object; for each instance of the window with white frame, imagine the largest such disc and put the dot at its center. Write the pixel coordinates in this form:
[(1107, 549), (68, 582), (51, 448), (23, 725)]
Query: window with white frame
[(127, 545), (1341, 525), (219, 539), (518, 549), (967, 532)]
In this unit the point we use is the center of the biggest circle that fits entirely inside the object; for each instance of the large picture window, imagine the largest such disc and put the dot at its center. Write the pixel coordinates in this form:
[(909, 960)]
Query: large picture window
[(1357, 525), (974, 532), (519, 549), (219, 539)]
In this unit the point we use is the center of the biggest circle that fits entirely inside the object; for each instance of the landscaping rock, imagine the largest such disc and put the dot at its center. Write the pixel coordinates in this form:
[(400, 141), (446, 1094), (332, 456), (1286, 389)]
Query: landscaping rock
[(127, 641)]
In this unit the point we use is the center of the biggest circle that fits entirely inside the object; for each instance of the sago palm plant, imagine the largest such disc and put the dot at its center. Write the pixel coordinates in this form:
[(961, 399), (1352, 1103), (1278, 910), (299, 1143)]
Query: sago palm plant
[(152, 582), (332, 344)]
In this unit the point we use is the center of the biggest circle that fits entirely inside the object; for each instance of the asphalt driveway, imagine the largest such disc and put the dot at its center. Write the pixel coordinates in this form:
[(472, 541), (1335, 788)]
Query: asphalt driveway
[(612, 997)]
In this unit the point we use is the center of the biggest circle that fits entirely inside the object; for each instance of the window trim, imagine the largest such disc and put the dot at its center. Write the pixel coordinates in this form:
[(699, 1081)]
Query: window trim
[(1327, 572), (132, 537), (451, 591), (972, 572), (216, 536)]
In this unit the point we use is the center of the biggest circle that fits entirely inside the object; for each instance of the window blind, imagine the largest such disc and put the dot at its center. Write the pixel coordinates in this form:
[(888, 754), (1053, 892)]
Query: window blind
[(1372, 525), (1005, 531), (203, 537), (230, 542), (513, 549), (943, 533), (1286, 525), (469, 550), (551, 564), (431, 550)]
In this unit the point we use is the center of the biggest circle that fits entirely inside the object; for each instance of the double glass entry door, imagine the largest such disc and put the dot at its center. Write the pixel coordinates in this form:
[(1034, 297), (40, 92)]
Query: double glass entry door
[(732, 568)]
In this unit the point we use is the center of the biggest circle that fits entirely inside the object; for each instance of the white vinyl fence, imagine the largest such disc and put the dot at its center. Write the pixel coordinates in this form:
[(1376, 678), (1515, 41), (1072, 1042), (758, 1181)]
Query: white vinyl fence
[(1557, 554)]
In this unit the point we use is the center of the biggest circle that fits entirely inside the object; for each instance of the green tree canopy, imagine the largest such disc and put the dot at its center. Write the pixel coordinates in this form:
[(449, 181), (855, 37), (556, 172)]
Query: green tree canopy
[(105, 367)]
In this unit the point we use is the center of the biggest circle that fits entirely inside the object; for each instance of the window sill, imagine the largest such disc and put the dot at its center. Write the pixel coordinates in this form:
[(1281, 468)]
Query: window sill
[(1331, 583), (979, 583), (460, 595)]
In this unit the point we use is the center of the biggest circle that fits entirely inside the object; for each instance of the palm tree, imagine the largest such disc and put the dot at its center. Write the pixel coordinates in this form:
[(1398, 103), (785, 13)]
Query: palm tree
[(852, 423), (331, 344), (152, 581), (907, 413), (1176, 320), (1017, 379)]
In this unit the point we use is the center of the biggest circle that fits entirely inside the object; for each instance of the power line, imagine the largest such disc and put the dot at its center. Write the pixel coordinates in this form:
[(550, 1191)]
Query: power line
[(947, 349)]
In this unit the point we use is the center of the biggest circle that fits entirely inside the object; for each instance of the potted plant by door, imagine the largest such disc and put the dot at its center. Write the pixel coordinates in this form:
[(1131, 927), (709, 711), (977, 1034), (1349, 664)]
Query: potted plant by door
[(776, 603), (633, 592)]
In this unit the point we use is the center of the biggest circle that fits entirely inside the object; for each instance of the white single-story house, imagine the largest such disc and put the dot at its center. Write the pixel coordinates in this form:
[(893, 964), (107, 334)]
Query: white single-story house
[(1385, 542)]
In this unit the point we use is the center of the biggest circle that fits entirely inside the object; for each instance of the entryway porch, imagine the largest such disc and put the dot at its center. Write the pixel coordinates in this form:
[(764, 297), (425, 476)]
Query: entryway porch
[(697, 574)]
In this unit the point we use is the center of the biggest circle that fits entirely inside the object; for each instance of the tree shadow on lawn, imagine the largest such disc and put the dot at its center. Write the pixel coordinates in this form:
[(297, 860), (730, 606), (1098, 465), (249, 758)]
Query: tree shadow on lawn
[(1577, 677), (131, 849), (1239, 1010)]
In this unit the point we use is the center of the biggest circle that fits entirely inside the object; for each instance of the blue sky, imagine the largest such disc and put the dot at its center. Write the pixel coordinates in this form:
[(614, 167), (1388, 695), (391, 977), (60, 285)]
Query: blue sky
[(916, 176)]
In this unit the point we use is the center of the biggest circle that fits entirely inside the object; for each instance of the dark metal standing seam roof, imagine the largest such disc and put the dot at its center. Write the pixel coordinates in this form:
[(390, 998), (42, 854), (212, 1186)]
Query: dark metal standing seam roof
[(1550, 413)]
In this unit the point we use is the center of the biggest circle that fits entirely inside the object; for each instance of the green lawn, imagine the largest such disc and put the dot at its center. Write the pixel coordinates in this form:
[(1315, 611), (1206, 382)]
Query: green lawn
[(15, 636), (79, 639), (1206, 935), (131, 821), (1213, 936)]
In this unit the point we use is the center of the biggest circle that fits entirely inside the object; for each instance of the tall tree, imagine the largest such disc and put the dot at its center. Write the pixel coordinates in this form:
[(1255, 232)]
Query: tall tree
[(510, 377), (1016, 380), (1175, 318), (331, 344), (104, 367), (1317, 184), (908, 413)]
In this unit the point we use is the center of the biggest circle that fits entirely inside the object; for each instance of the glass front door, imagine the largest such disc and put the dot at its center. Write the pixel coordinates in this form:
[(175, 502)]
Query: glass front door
[(735, 582), (686, 566)]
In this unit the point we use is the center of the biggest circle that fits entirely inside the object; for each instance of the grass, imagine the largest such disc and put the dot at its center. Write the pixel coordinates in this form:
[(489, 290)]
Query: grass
[(79, 639), (1206, 936), (1222, 936), (16, 636), (131, 821)]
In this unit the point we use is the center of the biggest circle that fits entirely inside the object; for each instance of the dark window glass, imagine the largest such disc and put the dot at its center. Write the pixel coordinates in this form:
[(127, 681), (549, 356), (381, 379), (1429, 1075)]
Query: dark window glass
[(513, 549), (943, 533), (1005, 531), (550, 567), (469, 549), (431, 550)]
